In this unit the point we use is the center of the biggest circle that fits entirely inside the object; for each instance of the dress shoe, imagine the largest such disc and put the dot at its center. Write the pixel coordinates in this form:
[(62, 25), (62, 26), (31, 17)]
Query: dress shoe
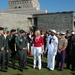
[(26, 68), (14, 68), (60, 69), (21, 69), (72, 70), (6, 68), (3, 70)]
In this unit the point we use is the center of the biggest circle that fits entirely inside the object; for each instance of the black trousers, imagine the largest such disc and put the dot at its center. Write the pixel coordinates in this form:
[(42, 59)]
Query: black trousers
[(68, 61), (12, 56), (73, 62)]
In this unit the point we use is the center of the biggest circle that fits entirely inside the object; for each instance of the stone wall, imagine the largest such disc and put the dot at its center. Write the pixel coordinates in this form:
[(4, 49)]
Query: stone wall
[(60, 21), (15, 21)]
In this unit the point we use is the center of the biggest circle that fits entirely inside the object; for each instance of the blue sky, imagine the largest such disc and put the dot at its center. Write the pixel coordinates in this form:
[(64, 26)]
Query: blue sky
[(50, 5), (3, 4)]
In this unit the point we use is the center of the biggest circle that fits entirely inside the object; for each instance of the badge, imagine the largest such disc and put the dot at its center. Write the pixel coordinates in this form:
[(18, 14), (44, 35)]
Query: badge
[(21, 40), (9, 39)]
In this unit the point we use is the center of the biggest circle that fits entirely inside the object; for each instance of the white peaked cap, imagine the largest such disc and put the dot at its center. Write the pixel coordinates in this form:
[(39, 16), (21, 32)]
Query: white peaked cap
[(73, 33), (52, 30), (63, 33), (57, 32)]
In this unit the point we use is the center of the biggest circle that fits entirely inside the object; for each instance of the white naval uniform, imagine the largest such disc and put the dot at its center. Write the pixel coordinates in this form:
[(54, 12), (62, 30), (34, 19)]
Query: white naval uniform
[(52, 51)]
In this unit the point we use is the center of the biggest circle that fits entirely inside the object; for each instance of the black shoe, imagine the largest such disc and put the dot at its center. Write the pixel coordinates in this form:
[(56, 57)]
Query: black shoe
[(3, 70), (21, 69), (6, 68), (60, 70), (67, 67), (14, 68), (72, 70), (26, 68)]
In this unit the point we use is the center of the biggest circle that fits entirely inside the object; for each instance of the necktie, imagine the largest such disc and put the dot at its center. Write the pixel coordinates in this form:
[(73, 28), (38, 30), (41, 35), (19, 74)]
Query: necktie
[(50, 40)]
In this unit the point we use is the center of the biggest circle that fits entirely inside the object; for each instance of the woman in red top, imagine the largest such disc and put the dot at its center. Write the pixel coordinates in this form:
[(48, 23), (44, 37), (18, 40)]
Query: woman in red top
[(38, 44)]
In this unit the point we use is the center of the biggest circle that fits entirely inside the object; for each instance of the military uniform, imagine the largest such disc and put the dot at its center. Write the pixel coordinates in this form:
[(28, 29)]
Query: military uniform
[(21, 43), (52, 45), (10, 39), (62, 43), (2, 51)]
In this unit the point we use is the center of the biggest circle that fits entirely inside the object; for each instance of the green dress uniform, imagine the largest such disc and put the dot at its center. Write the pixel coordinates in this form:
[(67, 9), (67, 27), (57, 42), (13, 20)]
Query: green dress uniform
[(21, 43), (10, 39), (2, 52)]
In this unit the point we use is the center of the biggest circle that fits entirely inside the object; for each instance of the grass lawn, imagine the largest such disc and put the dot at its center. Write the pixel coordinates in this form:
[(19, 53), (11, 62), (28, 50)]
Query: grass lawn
[(30, 71)]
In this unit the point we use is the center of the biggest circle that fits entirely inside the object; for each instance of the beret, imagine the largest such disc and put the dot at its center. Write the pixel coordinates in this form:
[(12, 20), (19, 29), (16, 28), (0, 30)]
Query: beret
[(13, 30), (1, 28), (22, 31)]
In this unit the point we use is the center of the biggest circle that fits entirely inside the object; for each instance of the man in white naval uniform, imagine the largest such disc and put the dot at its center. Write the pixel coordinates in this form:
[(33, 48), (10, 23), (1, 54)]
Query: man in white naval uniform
[(52, 45)]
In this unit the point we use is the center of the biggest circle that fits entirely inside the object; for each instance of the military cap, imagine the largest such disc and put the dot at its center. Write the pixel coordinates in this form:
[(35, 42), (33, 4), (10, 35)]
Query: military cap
[(22, 31), (73, 33), (52, 30), (1, 28), (18, 29), (13, 30), (57, 33), (62, 33), (5, 29)]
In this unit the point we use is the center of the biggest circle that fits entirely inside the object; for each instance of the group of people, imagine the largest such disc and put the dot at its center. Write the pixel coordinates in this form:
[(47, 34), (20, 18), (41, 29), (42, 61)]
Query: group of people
[(11, 44), (57, 46)]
